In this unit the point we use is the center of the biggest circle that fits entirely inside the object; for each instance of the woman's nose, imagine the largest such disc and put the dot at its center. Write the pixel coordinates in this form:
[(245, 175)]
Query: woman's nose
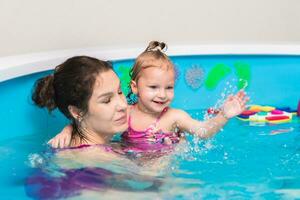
[(122, 103)]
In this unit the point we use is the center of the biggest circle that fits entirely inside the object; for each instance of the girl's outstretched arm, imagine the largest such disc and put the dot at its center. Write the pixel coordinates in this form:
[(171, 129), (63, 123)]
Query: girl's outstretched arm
[(233, 106), (62, 139)]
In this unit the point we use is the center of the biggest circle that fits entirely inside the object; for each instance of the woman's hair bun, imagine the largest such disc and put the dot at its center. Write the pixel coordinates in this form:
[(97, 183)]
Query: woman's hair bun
[(43, 94)]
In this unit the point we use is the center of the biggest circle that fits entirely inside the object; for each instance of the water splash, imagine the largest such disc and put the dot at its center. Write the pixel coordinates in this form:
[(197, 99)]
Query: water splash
[(229, 89), (35, 160)]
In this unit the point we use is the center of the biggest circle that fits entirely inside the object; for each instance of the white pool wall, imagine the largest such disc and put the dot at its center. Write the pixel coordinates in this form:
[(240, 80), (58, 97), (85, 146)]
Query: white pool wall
[(15, 66)]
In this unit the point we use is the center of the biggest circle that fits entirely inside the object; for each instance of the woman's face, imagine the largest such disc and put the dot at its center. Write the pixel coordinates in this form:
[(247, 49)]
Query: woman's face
[(107, 109)]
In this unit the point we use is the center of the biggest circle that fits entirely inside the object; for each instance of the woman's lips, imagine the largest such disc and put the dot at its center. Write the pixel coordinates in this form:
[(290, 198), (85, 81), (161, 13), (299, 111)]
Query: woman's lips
[(121, 120)]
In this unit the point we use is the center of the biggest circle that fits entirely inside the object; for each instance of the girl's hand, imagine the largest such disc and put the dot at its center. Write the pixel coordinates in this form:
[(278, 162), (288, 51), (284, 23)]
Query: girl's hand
[(63, 139), (235, 105)]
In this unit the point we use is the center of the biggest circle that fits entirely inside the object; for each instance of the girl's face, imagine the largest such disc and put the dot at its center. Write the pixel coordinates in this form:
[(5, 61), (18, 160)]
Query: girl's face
[(155, 88), (107, 110)]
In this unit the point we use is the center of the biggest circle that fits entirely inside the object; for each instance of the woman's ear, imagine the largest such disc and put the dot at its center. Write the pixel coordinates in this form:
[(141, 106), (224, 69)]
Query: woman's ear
[(133, 86), (75, 112)]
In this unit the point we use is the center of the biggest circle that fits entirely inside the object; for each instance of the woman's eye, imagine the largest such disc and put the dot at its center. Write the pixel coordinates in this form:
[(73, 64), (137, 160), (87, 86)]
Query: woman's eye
[(105, 100)]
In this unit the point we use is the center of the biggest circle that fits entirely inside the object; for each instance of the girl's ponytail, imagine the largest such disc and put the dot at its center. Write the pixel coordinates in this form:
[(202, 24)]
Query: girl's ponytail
[(156, 46)]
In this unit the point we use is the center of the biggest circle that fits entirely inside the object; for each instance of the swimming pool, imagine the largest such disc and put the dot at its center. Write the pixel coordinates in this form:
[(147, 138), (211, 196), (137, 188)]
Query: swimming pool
[(244, 161)]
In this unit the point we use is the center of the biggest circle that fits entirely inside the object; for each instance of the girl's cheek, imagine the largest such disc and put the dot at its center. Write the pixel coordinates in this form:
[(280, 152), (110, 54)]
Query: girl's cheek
[(150, 92), (171, 93)]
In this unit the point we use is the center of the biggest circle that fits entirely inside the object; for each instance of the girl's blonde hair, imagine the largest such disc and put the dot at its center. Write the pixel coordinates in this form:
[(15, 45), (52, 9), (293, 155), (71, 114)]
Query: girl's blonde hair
[(152, 56)]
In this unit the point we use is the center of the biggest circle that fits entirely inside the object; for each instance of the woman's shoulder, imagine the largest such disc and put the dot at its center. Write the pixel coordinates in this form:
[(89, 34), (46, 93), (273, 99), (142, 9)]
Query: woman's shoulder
[(87, 153), (90, 155)]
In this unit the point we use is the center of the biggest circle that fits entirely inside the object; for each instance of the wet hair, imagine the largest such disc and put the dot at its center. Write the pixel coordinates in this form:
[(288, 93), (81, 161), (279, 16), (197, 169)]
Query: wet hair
[(71, 84), (152, 56)]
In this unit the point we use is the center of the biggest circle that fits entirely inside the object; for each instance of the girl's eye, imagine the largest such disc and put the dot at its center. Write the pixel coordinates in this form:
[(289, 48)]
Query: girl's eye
[(120, 91), (153, 86), (170, 87)]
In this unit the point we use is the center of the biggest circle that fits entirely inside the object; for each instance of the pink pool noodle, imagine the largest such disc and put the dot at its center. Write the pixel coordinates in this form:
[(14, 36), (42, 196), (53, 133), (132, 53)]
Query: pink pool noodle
[(276, 112)]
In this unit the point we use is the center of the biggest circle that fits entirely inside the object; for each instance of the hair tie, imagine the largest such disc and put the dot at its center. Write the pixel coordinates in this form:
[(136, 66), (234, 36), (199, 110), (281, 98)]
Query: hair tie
[(158, 48)]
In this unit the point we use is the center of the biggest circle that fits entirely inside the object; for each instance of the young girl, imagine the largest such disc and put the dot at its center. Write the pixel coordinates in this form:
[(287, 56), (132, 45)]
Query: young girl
[(151, 120)]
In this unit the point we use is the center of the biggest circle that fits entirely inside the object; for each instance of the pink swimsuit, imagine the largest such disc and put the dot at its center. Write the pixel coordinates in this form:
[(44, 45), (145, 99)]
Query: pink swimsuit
[(150, 138)]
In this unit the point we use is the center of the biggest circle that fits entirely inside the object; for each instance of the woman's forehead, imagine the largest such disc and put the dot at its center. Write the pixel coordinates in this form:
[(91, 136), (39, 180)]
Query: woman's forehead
[(106, 82)]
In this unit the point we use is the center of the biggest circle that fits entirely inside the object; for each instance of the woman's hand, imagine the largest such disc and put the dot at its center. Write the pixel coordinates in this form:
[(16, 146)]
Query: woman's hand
[(235, 104), (63, 139)]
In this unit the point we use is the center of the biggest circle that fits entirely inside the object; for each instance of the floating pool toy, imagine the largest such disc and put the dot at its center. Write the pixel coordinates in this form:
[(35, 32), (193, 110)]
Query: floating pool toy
[(267, 114), (216, 74), (194, 77), (243, 72)]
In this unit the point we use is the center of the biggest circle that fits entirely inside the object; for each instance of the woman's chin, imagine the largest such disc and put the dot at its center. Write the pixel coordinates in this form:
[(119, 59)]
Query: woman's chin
[(121, 128)]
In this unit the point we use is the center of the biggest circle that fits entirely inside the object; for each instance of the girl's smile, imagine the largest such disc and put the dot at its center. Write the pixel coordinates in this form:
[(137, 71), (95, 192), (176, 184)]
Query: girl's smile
[(155, 88)]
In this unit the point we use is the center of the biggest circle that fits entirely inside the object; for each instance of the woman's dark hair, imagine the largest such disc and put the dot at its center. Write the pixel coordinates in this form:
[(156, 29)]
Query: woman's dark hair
[(71, 84)]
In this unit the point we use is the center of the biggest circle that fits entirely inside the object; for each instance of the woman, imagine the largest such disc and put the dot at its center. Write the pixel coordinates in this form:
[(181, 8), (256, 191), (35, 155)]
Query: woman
[(87, 91)]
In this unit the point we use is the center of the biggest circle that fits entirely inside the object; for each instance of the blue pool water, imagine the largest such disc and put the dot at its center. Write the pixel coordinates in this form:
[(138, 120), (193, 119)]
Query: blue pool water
[(244, 161)]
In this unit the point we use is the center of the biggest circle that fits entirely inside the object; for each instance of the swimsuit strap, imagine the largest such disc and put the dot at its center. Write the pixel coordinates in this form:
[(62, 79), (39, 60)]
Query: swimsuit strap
[(161, 114), (129, 118)]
